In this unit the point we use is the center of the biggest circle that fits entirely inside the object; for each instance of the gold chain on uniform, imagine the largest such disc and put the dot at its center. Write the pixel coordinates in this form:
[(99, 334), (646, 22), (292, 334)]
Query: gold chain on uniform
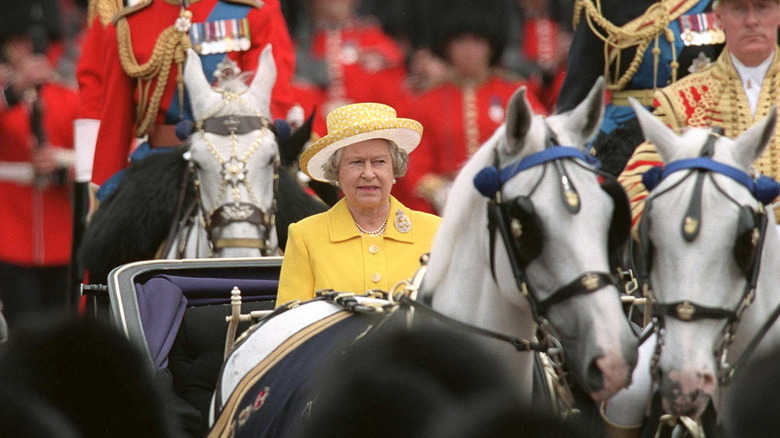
[(171, 47), (470, 118), (654, 22)]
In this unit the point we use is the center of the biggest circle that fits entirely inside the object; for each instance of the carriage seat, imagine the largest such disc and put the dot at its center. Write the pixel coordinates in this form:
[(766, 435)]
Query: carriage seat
[(175, 310)]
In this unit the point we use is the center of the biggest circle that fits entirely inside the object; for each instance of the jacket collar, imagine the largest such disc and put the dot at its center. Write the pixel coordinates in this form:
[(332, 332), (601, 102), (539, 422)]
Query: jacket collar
[(341, 225)]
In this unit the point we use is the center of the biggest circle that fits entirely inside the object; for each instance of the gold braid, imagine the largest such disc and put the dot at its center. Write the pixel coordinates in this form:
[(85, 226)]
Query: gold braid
[(654, 23), (105, 9), (171, 47)]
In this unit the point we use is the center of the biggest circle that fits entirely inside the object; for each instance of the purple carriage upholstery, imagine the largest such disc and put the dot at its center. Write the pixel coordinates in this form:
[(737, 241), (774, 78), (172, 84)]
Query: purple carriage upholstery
[(175, 310)]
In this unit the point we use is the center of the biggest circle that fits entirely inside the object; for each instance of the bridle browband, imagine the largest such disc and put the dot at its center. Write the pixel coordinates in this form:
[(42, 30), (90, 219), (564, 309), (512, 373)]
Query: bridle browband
[(232, 124), (764, 190), (489, 182)]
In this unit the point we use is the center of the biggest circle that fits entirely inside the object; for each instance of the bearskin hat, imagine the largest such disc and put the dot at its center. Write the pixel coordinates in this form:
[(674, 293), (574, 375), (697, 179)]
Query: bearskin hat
[(486, 18), (40, 19)]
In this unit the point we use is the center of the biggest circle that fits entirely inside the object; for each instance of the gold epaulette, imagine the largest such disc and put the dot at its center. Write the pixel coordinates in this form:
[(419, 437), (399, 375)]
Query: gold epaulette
[(130, 10), (104, 10)]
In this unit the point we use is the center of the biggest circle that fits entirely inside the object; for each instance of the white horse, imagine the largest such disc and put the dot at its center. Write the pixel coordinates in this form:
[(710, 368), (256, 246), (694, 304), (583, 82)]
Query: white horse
[(235, 159), (568, 278), (572, 245), (712, 263)]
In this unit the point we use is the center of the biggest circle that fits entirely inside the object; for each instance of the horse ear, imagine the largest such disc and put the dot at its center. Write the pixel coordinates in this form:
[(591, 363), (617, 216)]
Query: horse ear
[(198, 86), (662, 137), (751, 144), (586, 117), (264, 79), (519, 116)]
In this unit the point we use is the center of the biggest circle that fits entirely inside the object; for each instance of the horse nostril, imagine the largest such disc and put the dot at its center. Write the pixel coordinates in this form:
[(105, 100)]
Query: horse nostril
[(708, 383), (594, 377)]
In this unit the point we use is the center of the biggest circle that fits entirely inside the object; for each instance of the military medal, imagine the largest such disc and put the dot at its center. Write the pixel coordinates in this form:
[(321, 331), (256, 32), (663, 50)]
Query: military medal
[(402, 222), (245, 38), (196, 37), (206, 39), (700, 63), (219, 27), (700, 30)]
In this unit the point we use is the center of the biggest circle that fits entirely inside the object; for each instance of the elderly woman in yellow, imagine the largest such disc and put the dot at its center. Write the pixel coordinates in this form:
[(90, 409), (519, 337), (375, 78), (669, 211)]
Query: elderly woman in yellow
[(368, 240)]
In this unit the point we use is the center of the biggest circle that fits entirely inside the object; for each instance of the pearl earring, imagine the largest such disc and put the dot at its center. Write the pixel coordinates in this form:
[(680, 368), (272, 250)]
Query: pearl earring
[(394, 181)]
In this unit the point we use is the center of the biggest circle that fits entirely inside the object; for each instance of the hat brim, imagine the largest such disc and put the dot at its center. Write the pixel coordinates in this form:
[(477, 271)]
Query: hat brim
[(405, 133)]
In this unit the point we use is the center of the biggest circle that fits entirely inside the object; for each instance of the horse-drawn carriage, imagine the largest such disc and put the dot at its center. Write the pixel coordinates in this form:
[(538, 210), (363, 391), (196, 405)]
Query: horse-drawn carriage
[(543, 230), (530, 287)]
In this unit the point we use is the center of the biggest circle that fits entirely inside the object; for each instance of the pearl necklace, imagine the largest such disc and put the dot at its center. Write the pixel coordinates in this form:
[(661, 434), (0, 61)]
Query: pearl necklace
[(379, 231)]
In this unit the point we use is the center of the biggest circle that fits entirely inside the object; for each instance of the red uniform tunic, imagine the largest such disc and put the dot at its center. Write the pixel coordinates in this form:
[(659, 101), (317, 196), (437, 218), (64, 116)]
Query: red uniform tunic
[(212, 18), (363, 64), (36, 227), (456, 120), (89, 71)]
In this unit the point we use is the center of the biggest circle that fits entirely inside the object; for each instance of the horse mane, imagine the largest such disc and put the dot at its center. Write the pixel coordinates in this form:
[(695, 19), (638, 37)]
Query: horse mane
[(458, 218)]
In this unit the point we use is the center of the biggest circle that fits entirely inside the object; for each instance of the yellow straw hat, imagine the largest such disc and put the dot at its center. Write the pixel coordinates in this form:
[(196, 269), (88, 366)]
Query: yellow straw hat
[(358, 122)]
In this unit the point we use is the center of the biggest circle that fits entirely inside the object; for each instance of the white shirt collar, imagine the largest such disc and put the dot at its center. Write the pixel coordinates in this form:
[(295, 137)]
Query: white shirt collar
[(752, 78)]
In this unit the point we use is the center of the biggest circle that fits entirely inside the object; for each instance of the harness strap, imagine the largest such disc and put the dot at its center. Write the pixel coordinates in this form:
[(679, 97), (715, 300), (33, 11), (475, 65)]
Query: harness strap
[(727, 375), (518, 343), (585, 283), (232, 124), (726, 379), (237, 212), (240, 243), (499, 223), (687, 311)]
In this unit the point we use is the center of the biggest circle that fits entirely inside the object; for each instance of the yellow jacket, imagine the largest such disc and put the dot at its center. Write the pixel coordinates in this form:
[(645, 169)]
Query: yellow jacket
[(326, 251)]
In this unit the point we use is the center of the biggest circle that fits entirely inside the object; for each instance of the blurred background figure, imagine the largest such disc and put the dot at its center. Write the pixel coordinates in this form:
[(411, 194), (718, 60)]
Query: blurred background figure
[(462, 112), (539, 46), (71, 377), (36, 122), (342, 57)]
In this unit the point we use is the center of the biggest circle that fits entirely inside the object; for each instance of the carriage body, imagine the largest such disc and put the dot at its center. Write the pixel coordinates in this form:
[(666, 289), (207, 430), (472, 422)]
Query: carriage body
[(174, 311)]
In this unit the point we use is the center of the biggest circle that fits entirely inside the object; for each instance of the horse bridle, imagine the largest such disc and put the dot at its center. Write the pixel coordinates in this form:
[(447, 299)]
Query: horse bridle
[(504, 219), (752, 229), (519, 227), (235, 173)]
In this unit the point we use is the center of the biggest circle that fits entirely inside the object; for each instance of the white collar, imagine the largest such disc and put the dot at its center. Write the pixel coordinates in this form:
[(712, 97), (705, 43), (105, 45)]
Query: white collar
[(752, 79), (756, 74)]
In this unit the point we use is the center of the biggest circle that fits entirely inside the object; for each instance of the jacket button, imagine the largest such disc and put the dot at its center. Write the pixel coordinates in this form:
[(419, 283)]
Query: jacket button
[(373, 249), (375, 277)]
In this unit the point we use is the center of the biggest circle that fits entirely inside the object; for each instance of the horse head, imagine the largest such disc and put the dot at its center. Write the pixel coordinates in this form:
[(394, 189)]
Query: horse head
[(235, 158), (546, 265), (702, 234)]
